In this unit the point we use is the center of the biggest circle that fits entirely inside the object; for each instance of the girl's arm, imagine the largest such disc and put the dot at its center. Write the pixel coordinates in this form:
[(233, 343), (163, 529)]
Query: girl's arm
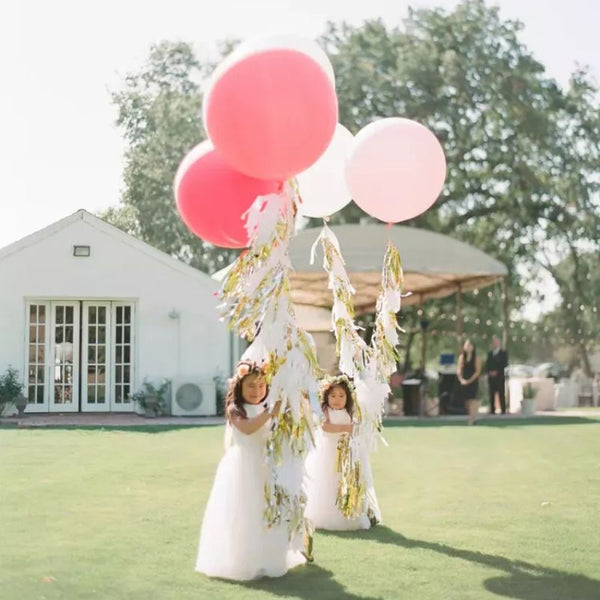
[(332, 428), (253, 424)]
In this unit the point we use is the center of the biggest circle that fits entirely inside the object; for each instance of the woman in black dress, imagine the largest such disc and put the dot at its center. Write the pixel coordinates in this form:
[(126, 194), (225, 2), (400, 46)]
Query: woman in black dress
[(469, 369)]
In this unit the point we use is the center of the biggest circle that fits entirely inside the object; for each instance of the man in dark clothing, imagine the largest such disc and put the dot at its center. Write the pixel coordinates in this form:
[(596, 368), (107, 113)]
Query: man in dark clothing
[(497, 361)]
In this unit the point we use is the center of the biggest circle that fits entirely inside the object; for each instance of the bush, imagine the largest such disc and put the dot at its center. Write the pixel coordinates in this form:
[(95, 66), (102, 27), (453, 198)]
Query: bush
[(10, 388), (151, 390)]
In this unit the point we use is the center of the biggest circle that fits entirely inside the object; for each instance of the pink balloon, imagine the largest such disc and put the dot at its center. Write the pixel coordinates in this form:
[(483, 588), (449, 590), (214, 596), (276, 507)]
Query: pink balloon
[(211, 197), (396, 169), (271, 114)]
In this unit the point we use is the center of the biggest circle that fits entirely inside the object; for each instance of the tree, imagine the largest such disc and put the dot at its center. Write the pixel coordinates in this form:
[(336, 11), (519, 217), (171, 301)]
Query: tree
[(159, 114), (522, 153)]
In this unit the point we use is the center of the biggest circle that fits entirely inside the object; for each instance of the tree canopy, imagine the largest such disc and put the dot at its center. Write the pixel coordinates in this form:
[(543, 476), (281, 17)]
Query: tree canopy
[(522, 152)]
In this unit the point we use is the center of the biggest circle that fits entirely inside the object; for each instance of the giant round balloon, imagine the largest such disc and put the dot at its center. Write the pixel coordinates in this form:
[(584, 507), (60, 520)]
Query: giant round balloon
[(323, 186), (212, 197), (396, 169), (270, 112)]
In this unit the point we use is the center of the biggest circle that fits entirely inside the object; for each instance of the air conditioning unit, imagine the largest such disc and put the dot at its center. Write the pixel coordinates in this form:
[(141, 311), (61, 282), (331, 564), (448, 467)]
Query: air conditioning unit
[(193, 397)]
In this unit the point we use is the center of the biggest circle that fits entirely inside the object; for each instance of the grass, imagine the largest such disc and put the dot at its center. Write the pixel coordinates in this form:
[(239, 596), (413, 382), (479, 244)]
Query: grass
[(507, 509)]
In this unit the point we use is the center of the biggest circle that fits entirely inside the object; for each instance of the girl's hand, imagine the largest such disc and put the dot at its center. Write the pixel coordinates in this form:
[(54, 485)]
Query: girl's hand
[(276, 408)]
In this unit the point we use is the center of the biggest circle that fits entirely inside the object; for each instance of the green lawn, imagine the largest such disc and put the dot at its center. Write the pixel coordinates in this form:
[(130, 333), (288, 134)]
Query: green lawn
[(506, 509)]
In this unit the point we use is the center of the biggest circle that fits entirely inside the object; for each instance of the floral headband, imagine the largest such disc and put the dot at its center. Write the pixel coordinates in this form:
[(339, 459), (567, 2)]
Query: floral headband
[(248, 367), (328, 382)]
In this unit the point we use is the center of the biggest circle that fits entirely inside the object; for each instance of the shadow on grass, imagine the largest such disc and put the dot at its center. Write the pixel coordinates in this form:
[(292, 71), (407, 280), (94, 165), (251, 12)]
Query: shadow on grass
[(522, 580), (491, 422), (309, 582)]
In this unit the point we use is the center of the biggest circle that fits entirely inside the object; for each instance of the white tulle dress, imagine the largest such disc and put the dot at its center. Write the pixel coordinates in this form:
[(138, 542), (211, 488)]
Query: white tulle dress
[(234, 541), (323, 481)]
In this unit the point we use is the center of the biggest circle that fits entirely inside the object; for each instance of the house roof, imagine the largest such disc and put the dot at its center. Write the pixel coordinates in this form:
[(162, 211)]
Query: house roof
[(434, 265), (118, 236)]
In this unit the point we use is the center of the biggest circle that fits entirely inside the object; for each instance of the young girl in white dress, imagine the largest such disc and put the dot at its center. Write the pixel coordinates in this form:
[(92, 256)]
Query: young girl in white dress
[(338, 404), (235, 543)]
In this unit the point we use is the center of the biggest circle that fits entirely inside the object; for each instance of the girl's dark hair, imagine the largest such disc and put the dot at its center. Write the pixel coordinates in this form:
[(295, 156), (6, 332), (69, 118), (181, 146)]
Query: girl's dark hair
[(349, 398), (234, 401)]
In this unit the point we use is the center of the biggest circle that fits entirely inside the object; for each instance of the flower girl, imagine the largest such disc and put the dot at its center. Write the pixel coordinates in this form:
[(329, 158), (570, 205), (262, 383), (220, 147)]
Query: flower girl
[(235, 543), (340, 489)]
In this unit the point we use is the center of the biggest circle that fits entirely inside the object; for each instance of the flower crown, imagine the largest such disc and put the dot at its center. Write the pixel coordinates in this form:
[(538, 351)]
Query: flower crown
[(332, 380), (248, 367)]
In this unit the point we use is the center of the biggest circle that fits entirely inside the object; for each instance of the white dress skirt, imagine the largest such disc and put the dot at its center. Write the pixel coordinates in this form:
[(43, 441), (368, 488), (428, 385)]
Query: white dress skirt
[(234, 540), (323, 481)]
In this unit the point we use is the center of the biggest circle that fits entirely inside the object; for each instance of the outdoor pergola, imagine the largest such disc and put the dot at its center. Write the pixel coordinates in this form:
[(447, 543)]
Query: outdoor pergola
[(434, 265)]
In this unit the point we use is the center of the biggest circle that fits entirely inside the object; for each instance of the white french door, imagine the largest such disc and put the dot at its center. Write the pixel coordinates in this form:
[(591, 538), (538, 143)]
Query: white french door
[(79, 356), (122, 330), (53, 357), (96, 344), (64, 356)]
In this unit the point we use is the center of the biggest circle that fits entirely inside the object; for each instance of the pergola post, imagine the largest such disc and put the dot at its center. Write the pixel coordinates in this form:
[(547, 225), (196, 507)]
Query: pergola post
[(459, 316), (423, 335), (505, 317)]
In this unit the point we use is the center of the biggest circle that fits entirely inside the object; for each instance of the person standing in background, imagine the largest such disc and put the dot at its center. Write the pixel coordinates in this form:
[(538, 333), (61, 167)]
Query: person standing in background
[(468, 372), (497, 361)]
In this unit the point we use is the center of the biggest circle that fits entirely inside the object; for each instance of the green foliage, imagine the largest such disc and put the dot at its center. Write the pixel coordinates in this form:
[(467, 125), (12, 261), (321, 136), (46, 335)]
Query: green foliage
[(10, 387), (150, 390), (522, 153), (159, 114)]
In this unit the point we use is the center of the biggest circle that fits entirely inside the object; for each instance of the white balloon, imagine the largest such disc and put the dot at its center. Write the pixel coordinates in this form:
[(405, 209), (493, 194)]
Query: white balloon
[(323, 186), (264, 43)]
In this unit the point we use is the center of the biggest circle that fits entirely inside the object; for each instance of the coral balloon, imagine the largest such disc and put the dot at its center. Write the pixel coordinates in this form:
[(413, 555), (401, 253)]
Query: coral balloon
[(396, 169), (270, 113), (323, 186), (212, 197), (282, 42)]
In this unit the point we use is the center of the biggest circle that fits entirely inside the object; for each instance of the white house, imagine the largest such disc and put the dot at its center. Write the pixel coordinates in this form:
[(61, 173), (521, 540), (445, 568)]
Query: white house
[(88, 312)]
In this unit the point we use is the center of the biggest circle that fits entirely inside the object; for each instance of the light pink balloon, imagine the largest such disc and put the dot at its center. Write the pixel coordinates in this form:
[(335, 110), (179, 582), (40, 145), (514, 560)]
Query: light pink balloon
[(271, 114), (396, 169)]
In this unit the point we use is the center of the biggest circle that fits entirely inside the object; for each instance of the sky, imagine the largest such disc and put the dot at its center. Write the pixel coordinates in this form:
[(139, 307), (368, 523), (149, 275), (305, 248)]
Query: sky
[(60, 149)]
